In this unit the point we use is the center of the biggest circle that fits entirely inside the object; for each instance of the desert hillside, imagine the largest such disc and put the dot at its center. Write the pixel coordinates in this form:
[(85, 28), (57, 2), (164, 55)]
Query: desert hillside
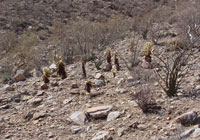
[(100, 69)]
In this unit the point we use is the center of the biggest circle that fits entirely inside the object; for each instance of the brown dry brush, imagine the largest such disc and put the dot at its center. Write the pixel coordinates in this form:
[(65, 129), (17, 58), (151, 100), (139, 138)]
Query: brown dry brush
[(145, 100), (61, 70), (108, 56)]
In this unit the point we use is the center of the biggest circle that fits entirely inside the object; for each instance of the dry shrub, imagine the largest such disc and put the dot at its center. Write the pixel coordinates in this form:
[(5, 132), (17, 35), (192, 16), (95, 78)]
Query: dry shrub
[(86, 38), (145, 100)]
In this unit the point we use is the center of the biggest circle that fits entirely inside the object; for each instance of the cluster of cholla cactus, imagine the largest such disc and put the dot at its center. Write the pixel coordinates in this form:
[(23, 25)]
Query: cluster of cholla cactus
[(147, 51), (60, 68), (109, 53), (116, 61), (46, 74)]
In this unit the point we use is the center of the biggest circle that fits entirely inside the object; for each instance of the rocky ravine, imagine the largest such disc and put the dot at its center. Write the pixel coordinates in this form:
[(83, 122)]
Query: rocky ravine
[(65, 112)]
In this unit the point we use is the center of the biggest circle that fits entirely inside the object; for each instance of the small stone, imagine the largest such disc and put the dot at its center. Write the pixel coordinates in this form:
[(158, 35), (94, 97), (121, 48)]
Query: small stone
[(75, 129), (189, 118), (102, 135), (135, 104), (120, 132), (35, 101), (130, 79), (36, 73), (54, 84), (44, 86), (50, 135), (79, 117), (99, 112), (16, 98), (40, 93), (186, 133), (20, 75), (29, 115), (66, 101), (121, 90), (142, 127), (53, 67), (39, 115), (196, 133), (7, 88), (74, 85), (146, 65), (7, 106), (99, 76), (88, 128), (98, 83), (113, 115), (121, 81)]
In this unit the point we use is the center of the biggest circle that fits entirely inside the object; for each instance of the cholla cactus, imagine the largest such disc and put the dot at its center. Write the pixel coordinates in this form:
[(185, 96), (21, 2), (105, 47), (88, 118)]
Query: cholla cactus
[(116, 61), (108, 55), (147, 51), (61, 68), (46, 74)]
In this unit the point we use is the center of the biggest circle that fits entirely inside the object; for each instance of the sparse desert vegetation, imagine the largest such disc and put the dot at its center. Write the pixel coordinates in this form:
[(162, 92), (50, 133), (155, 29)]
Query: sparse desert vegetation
[(100, 69)]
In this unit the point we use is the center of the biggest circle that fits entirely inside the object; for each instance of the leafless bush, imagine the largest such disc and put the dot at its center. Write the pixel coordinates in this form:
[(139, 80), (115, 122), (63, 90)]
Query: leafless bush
[(85, 37), (145, 100), (174, 66)]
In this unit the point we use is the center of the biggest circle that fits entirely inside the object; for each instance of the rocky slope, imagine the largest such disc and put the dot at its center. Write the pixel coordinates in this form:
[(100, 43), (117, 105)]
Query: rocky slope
[(66, 111)]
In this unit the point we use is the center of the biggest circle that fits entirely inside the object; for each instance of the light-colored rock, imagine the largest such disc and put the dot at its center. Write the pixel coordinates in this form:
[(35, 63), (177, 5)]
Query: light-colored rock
[(113, 115), (66, 101), (146, 65), (35, 101), (102, 135), (120, 132), (39, 115), (53, 67), (75, 129), (99, 112), (120, 90), (196, 133), (187, 133), (189, 118), (121, 81), (99, 76), (142, 127), (79, 117), (7, 88), (36, 73)]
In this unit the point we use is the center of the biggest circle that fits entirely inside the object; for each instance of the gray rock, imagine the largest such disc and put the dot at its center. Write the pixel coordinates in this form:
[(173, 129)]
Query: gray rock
[(16, 98), (98, 83), (35, 101), (187, 133), (66, 101), (39, 115), (120, 132), (196, 133), (7, 88), (36, 73), (20, 75), (75, 129), (120, 90), (53, 67), (99, 112), (79, 117), (99, 76), (142, 127), (189, 118), (74, 85), (102, 135), (7, 106), (113, 115), (130, 79), (29, 115)]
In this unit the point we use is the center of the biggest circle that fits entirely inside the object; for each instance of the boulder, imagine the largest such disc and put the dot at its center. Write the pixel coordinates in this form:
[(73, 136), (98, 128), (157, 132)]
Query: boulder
[(79, 117), (21, 75), (99, 112), (189, 118)]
